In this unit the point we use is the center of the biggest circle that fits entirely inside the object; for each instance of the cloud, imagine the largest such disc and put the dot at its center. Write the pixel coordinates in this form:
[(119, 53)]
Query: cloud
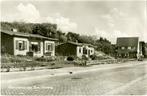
[(63, 23), (120, 24), (113, 16), (28, 13)]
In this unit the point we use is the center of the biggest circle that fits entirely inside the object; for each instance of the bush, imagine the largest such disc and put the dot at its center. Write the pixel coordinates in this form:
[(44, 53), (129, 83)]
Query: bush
[(46, 59), (84, 57), (70, 58), (30, 54), (93, 57)]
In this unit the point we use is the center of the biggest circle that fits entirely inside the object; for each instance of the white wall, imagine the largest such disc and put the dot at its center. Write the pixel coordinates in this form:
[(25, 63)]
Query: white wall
[(78, 53), (20, 52), (91, 48), (87, 47)]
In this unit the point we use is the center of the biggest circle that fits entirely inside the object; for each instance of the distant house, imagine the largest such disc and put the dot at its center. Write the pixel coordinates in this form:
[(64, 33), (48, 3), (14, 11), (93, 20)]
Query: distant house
[(18, 43), (142, 48), (145, 49), (75, 49), (127, 47)]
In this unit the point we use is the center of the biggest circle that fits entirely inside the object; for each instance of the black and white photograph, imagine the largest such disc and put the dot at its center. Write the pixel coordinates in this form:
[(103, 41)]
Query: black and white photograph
[(73, 47)]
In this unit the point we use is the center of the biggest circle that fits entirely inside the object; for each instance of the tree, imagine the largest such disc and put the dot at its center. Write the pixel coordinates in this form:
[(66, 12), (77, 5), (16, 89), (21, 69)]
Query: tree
[(45, 29), (61, 36), (72, 36), (86, 39), (104, 45)]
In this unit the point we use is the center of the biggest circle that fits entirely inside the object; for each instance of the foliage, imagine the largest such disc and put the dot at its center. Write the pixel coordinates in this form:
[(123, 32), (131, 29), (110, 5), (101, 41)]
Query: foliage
[(45, 29), (61, 36), (71, 36), (103, 45), (86, 39), (84, 57), (70, 58), (93, 57)]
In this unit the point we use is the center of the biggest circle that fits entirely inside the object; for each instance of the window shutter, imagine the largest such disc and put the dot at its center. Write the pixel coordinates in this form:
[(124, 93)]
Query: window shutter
[(39, 46), (25, 45), (52, 47), (46, 46), (17, 44)]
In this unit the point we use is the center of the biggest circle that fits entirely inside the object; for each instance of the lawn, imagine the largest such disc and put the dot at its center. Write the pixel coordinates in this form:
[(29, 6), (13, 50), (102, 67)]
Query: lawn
[(23, 63)]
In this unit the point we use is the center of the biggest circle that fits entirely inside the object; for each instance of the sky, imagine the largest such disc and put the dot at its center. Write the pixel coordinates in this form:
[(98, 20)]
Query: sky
[(108, 19)]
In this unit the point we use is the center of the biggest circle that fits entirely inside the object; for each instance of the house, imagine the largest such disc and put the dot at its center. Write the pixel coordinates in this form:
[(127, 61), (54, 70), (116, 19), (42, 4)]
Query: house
[(18, 43), (127, 47), (142, 48), (146, 50), (75, 49)]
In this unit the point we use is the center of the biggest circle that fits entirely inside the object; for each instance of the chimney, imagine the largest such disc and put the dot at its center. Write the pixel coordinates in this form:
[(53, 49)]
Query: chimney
[(14, 30)]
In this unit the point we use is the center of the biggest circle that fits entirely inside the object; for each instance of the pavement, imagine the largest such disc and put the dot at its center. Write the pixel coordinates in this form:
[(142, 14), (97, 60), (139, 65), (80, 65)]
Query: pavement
[(105, 79)]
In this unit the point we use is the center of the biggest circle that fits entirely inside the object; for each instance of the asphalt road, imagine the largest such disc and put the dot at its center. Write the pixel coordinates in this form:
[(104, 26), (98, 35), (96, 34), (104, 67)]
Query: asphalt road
[(129, 80)]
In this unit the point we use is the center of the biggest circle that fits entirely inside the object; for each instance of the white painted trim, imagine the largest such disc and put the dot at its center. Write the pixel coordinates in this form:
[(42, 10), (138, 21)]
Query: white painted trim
[(20, 52), (45, 44)]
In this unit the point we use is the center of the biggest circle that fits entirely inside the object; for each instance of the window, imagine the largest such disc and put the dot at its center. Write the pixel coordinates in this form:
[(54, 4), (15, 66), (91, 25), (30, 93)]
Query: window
[(49, 46), (91, 51), (84, 50), (21, 45), (35, 47), (122, 48), (129, 48), (79, 50)]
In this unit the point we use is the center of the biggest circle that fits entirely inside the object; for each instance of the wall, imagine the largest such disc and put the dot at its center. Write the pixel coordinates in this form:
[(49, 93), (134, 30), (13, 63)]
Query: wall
[(146, 51), (20, 52), (66, 49), (91, 48), (79, 54), (7, 44), (88, 49)]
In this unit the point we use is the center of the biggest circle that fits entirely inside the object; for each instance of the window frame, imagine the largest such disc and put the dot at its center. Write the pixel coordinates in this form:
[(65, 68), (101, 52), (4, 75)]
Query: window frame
[(23, 45), (51, 46), (122, 47), (129, 47)]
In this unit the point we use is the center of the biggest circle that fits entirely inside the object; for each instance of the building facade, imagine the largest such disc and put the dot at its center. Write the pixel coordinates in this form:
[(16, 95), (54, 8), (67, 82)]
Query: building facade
[(17, 43), (75, 49), (130, 47), (127, 47)]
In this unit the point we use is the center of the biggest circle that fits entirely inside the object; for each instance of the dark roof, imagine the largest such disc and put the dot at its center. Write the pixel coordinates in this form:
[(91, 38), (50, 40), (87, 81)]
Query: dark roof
[(80, 44), (26, 35), (75, 43), (127, 41)]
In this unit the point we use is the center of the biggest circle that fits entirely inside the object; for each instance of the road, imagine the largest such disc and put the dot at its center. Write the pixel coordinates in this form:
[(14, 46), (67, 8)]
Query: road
[(127, 80)]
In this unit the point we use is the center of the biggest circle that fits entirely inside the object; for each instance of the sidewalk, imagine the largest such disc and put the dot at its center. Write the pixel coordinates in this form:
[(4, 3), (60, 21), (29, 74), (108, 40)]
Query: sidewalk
[(36, 74)]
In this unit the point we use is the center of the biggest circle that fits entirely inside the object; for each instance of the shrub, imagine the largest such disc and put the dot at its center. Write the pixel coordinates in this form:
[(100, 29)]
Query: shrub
[(46, 59), (70, 58), (93, 57), (30, 54), (84, 57)]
